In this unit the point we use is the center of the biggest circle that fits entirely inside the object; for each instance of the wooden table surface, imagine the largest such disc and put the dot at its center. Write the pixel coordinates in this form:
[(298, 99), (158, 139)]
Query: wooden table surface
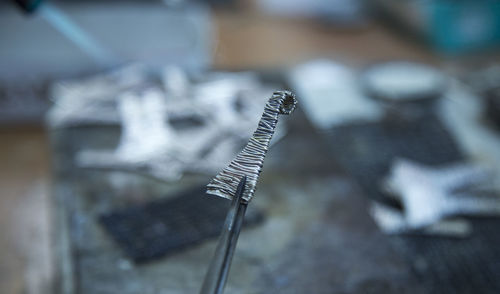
[(252, 40)]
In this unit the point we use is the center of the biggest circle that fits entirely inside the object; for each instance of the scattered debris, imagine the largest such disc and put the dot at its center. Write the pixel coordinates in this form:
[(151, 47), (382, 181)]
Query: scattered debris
[(171, 123), (430, 196)]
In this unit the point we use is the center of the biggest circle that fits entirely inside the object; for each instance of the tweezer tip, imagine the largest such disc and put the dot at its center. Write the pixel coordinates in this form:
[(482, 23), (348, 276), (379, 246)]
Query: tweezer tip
[(241, 185)]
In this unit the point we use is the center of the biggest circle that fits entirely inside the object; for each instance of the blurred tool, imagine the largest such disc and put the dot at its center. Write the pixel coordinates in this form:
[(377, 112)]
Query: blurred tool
[(218, 270), (429, 195), (88, 44), (77, 35)]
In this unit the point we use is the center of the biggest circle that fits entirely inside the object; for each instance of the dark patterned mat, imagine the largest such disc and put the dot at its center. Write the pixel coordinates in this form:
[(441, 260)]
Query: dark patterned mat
[(443, 265), (449, 265), (149, 231), (367, 150)]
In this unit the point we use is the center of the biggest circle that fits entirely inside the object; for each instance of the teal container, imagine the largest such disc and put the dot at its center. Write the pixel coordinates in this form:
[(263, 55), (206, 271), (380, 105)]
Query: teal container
[(460, 26)]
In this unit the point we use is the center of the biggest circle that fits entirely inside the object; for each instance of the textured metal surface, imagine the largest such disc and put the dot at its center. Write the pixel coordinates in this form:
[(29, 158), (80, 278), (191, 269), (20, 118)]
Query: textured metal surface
[(250, 160)]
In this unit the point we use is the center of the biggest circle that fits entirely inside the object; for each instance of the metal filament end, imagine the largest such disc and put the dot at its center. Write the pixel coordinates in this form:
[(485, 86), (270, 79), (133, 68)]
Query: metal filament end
[(250, 160)]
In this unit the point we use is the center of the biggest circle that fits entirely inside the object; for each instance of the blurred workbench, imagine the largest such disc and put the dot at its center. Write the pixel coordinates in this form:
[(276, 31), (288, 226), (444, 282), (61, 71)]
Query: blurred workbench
[(24, 201), (252, 40), (243, 40)]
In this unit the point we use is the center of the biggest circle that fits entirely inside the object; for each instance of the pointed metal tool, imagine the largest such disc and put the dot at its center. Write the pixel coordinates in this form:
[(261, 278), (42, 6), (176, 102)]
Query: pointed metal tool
[(215, 279), (237, 182)]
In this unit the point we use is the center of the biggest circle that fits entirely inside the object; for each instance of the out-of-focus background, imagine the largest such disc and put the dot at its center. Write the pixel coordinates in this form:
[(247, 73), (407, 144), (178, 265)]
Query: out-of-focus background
[(114, 115)]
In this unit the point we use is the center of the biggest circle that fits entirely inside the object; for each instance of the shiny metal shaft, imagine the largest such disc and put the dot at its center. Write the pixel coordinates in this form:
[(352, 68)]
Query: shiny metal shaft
[(218, 270)]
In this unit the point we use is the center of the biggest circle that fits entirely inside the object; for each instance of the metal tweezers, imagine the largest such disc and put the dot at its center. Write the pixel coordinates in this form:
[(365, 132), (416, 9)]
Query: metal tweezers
[(218, 270)]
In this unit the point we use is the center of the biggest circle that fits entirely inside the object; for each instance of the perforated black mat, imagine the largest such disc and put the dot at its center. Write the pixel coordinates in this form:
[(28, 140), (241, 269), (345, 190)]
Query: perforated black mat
[(449, 265), (150, 231), (367, 150), (443, 265)]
